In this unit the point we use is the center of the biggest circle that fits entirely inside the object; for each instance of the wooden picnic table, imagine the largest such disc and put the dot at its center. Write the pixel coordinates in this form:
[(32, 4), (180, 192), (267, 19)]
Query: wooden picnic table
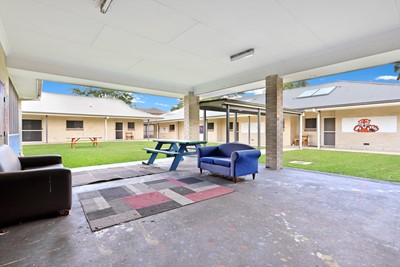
[(176, 149), (93, 139)]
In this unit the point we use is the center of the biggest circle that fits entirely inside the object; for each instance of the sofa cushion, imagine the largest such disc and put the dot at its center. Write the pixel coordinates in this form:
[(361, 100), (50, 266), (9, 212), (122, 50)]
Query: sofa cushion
[(212, 160), (9, 162), (207, 160), (223, 162)]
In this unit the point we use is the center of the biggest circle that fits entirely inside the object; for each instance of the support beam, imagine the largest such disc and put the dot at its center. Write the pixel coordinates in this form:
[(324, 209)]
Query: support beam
[(191, 117), (274, 122)]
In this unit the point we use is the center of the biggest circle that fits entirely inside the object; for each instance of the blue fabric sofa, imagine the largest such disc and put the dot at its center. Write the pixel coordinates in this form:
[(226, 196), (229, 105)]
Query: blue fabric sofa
[(231, 159)]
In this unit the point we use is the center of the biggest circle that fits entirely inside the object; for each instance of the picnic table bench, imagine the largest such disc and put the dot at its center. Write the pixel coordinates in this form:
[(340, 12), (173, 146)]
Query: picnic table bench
[(93, 139), (176, 149)]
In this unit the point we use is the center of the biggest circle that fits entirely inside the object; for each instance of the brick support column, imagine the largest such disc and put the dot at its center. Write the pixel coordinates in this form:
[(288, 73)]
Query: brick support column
[(274, 122), (192, 117)]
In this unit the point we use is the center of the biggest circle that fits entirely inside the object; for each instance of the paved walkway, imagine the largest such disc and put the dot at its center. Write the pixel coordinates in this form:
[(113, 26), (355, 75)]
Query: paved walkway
[(283, 218)]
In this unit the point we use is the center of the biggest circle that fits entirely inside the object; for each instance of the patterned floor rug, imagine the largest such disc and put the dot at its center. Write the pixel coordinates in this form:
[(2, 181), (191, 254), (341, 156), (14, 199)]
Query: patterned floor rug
[(110, 174), (107, 207)]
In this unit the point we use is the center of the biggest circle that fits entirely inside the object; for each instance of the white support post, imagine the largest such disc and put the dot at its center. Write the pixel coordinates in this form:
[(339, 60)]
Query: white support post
[(205, 129), (227, 124), (301, 131), (235, 130), (249, 132), (259, 129), (47, 129), (105, 129), (319, 129)]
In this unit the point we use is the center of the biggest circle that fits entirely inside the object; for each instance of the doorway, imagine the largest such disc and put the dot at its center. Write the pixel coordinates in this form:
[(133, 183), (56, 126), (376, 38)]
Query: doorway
[(329, 132), (119, 130)]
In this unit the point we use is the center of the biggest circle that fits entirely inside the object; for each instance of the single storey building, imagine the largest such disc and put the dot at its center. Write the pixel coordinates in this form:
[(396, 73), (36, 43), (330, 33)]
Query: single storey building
[(343, 115), (56, 118)]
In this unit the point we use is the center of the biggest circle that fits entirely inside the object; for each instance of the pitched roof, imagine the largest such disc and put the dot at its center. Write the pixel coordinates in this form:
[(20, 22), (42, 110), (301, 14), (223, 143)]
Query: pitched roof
[(154, 111), (344, 93), (178, 115), (60, 104)]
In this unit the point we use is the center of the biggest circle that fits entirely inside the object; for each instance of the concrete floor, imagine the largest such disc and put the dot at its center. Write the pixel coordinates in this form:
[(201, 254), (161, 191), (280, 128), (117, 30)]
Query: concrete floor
[(283, 218)]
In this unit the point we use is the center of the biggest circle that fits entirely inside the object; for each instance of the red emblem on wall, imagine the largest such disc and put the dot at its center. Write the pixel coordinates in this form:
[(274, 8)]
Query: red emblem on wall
[(365, 126)]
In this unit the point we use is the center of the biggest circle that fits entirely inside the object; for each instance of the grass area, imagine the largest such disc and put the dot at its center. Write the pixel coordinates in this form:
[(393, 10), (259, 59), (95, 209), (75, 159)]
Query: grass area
[(86, 155), (374, 166)]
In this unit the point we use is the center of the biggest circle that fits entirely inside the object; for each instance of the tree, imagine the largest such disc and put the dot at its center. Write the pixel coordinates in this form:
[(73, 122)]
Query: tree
[(127, 97), (293, 85), (178, 106), (397, 69)]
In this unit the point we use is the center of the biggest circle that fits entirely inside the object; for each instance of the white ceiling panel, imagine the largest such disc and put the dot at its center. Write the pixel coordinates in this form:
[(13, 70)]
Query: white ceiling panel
[(138, 47), (262, 23), (344, 20), (173, 46), (42, 46), (209, 43), (39, 18), (155, 71), (145, 18)]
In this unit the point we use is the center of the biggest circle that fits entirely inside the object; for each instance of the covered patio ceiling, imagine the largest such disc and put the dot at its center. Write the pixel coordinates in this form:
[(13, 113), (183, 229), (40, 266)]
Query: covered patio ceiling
[(171, 47)]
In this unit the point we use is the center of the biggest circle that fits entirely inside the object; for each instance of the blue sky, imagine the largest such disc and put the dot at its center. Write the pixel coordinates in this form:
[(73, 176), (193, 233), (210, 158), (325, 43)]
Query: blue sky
[(377, 74)]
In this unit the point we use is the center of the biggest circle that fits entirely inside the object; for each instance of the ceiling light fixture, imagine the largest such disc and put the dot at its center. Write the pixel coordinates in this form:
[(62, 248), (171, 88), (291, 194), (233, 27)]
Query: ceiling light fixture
[(244, 54), (105, 5)]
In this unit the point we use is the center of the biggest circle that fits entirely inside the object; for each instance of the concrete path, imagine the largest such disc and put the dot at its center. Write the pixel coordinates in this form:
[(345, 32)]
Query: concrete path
[(283, 218)]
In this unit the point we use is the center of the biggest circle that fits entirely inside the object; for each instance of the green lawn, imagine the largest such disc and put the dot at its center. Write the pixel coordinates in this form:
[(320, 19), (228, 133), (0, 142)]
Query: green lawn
[(374, 166), (86, 155)]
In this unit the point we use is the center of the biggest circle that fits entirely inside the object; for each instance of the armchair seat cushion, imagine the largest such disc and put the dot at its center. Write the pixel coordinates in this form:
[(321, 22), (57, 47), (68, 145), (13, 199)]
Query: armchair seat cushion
[(207, 160), (214, 160), (223, 162)]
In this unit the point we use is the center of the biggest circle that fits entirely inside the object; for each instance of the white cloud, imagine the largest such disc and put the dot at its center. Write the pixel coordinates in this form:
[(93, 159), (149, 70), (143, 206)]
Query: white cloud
[(137, 99), (163, 105), (386, 77), (257, 91)]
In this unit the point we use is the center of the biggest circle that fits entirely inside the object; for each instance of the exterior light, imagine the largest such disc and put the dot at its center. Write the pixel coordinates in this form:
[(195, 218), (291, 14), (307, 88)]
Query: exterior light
[(244, 54), (105, 5)]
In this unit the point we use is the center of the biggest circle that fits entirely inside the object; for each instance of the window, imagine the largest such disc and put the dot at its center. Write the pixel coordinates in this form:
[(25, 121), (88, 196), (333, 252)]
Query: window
[(311, 124), (172, 127), (31, 130), (210, 126), (131, 126), (74, 125)]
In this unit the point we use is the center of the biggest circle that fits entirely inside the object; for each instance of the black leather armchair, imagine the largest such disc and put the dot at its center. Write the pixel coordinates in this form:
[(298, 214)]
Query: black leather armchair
[(32, 186)]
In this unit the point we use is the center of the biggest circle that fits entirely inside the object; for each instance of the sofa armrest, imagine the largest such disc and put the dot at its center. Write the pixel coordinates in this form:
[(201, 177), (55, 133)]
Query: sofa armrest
[(38, 161), (244, 162)]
